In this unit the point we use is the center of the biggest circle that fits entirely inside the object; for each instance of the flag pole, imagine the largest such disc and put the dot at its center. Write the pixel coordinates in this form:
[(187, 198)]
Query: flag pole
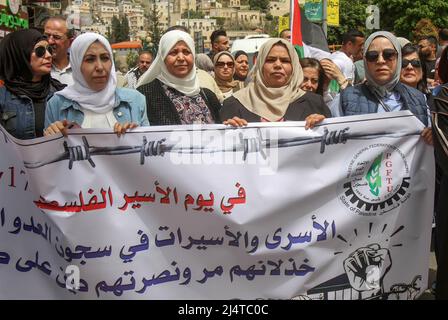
[(324, 17)]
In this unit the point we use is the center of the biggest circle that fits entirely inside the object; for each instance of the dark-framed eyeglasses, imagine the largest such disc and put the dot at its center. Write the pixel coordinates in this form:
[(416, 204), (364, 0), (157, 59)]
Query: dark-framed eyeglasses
[(414, 62), (41, 50), (388, 55), (221, 64)]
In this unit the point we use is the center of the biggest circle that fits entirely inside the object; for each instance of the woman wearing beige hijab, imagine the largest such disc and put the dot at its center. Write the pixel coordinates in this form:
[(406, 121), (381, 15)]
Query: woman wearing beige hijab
[(224, 67), (275, 94)]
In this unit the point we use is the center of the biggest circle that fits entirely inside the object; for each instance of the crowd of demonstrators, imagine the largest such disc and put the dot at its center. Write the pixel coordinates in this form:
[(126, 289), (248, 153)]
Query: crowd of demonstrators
[(171, 86), (26, 60), (275, 94), (145, 59), (93, 100), (60, 38), (381, 74), (224, 71), (219, 42)]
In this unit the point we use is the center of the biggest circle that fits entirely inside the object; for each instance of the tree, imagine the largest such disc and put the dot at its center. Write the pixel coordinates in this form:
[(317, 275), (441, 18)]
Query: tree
[(116, 29), (401, 16), (155, 30), (352, 15), (262, 5), (425, 28), (124, 30), (131, 58), (193, 14)]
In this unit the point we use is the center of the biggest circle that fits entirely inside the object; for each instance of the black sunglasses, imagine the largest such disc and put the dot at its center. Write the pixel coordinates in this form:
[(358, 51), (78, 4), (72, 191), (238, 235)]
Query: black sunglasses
[(221, 64), (40, 50), (415, 63), (388, 54)]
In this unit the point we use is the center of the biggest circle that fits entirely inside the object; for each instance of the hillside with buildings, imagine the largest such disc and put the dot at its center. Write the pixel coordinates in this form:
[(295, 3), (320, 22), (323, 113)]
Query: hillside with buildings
[(201, 17)]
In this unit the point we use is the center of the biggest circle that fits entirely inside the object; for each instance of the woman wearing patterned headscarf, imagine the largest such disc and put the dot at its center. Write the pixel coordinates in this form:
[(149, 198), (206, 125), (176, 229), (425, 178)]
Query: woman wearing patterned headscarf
[(25, 66), (275, 94), (383, 91), (171, 86), (93, 100)]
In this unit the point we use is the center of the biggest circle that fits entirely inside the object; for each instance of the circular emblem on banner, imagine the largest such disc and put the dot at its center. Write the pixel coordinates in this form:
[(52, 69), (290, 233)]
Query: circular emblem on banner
[(377, 180), (14, 6)]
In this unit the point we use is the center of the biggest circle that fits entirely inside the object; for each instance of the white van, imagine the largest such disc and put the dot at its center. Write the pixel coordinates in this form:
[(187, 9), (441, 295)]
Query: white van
[(250, 44)]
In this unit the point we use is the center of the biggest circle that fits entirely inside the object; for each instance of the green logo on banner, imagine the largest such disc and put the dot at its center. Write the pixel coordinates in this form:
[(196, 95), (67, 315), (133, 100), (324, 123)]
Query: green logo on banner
[(373, 176)]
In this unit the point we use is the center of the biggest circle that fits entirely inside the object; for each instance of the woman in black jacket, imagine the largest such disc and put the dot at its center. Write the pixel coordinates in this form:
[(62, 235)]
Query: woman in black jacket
[(275, 94), (171, 87)]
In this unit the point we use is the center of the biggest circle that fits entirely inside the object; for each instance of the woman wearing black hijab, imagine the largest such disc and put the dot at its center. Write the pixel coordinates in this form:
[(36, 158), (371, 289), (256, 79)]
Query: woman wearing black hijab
[(25, 68)]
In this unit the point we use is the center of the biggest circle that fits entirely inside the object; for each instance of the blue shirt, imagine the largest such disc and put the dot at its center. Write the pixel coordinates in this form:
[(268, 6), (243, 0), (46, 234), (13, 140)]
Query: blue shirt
[(130, 106)]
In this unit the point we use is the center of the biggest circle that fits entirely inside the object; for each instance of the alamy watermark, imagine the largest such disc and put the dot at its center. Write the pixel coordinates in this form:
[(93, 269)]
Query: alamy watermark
[(73, 277), (373, 17)]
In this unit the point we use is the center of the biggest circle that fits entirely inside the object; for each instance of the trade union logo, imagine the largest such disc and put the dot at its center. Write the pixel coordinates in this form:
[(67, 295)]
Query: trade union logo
[(377, 180)]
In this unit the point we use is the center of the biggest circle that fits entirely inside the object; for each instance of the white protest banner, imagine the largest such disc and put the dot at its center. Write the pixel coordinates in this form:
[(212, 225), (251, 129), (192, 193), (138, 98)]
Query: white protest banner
[(272, 210)]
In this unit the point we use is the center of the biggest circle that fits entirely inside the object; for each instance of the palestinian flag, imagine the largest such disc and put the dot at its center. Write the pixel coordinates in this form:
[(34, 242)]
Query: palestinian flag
[(295, 22)]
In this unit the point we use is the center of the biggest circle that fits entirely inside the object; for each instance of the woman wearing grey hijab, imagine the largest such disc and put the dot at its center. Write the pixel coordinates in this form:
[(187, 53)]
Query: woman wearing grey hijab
[(383, 91)]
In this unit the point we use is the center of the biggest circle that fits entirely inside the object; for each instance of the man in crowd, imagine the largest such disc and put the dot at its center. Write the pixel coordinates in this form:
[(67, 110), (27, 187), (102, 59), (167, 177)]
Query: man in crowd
[(443, 41), (428, 49), (60, 38), (144, 62), (286, 34), (351, 50), (220, 42)]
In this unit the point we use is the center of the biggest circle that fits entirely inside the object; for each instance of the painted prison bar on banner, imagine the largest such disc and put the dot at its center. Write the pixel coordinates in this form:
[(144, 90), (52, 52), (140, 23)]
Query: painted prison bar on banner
[(343, 211)]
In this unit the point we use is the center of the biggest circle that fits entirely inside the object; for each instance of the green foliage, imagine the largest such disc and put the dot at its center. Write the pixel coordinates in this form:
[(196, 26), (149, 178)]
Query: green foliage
[(124, 34), (115, 32), (155, 30), (193, 14), (131, 58), (120, 30), (402, 16), (398, 16), (219, 22), (352, 15), (262, 5), (425, 28)]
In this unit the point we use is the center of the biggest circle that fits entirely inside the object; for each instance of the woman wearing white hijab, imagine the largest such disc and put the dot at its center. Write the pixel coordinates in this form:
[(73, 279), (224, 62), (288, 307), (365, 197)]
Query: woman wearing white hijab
[(171, 86), (383, 91), (275, 94), (93, 100)]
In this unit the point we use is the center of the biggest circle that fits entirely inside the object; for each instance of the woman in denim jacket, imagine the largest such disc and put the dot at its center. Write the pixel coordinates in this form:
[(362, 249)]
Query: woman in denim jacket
[(94, 101), (25, 68)]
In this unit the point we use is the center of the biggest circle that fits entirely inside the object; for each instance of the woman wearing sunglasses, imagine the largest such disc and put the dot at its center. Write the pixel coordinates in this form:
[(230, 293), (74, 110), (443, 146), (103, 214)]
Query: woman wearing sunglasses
[(383, 91), (25, 66), (93, 100), (171, 85), (413, 71), (224, 71)]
